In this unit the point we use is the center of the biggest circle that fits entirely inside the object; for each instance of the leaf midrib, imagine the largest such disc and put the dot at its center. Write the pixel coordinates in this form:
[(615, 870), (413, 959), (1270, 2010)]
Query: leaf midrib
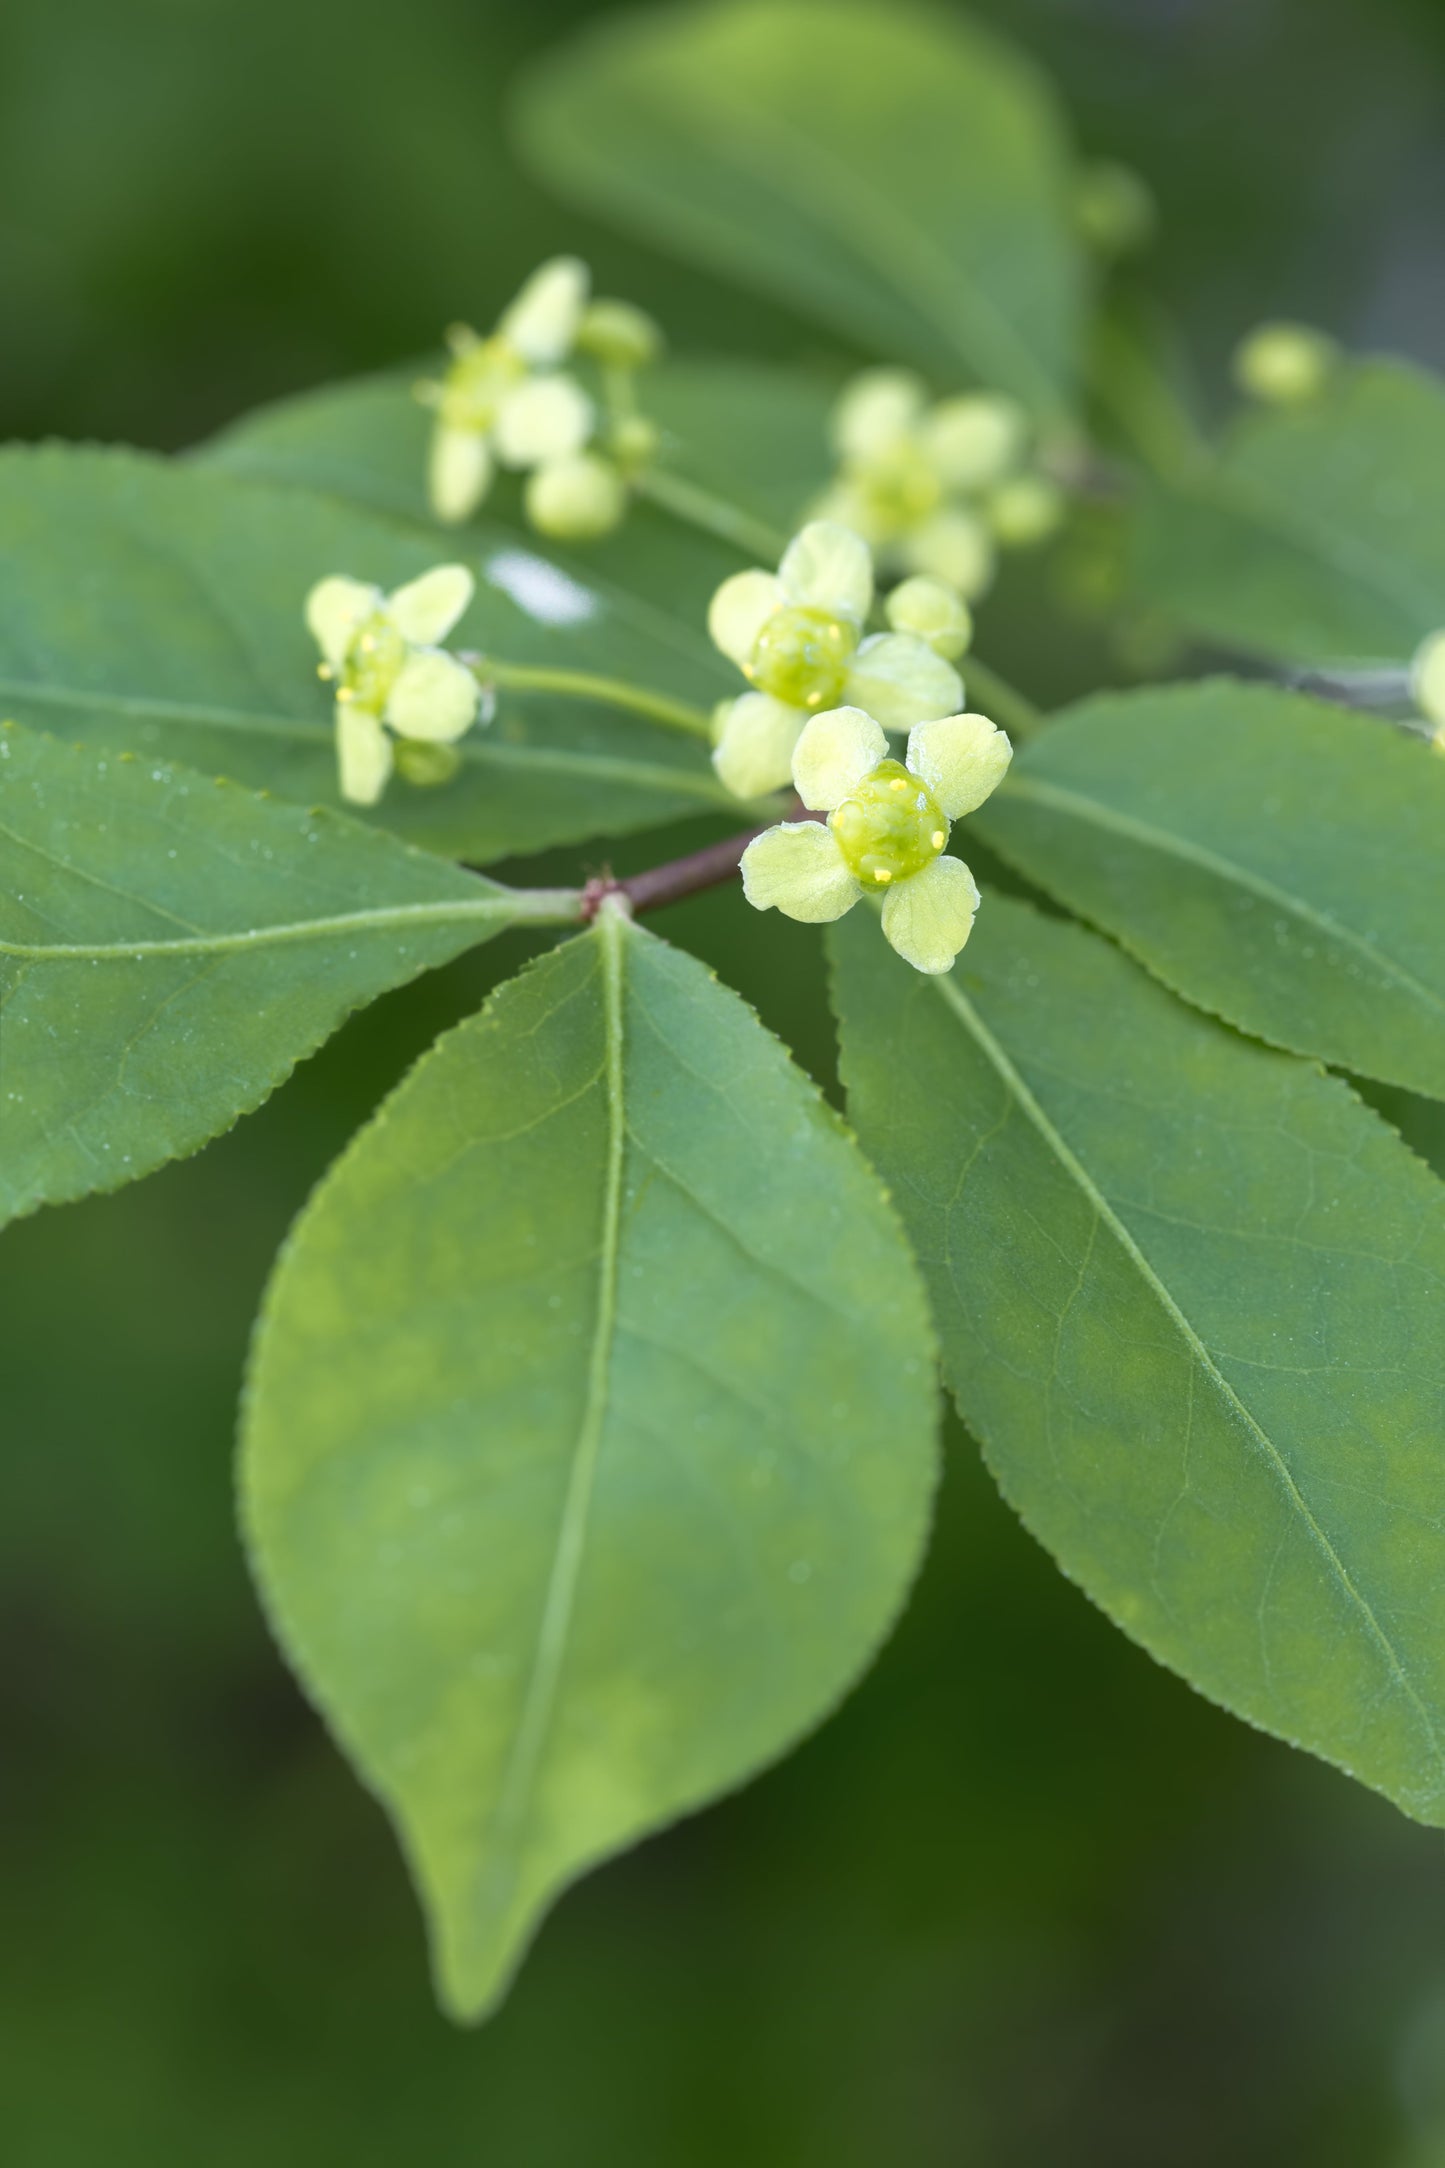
[(1168, 844), (517, 1788), (1009, 1076)]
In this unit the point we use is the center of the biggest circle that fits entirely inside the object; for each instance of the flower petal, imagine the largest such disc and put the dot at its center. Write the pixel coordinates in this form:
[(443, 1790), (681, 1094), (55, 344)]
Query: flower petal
[(878, 408), (543, 321), (1427, 678), (929, 916), (755, 745), (836, 750), (425, 610), (363, 754), (828, 567), (546, 417), (435, 697), (739, 610), (335, 609), (962, 759), (902, 681), (459, 473), (954, 547), (799, 870), (974, 440)]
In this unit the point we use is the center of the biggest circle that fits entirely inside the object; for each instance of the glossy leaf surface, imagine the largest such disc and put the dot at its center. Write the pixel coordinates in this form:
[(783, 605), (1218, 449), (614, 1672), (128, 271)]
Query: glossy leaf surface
[(1189, 1295), (1317, 538), (590, 1436), (170, 948), (1274, 859)]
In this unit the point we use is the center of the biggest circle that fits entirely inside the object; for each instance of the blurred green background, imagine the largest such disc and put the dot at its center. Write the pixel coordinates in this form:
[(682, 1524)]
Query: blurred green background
[(1026, 1903)]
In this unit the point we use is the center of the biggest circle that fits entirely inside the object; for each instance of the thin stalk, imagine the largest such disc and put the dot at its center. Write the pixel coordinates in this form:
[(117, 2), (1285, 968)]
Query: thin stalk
[(1004, 702), (584, 685), (700, 508), (680, 877)]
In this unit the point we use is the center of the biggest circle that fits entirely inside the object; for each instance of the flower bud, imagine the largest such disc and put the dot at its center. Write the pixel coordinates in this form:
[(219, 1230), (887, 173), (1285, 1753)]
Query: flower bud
[(618, 335), (1114, 208), (633, 442), (932, 613), (576, 499), (425, 765), (1284, 364), (1024, 511)]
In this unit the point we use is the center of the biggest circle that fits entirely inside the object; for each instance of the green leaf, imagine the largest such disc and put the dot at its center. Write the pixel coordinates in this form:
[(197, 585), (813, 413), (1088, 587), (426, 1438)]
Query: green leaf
[(157, 608), (1317, 538), (1274, 859), (589, 1442), (170, 948), (899, 177), (1189, 1294)]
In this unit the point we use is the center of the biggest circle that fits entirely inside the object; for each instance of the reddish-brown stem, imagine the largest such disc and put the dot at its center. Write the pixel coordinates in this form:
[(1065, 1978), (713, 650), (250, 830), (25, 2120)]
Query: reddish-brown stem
[(659, 885)]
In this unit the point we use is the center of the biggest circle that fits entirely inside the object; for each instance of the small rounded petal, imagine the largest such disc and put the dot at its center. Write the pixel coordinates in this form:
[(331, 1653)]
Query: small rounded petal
[(929, 917), (1427, 678), (633, 441), (425, 766), (902, 681), (974, 440), (425, 610), (435, 697), (833, 754), (619, 335), (576, 499), (1284, 364), (850, 504), (954, 547), (459, 473), (799, 870), (543, 321), (754, 752), (878, 408), (546, 417), (739, 610), (363, 755), (336, 609), (1024, 511), (962, 759), (932, 613), (828, 567)]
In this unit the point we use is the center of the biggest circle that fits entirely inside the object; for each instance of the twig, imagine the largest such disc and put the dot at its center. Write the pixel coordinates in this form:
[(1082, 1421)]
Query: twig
[(659, 885)]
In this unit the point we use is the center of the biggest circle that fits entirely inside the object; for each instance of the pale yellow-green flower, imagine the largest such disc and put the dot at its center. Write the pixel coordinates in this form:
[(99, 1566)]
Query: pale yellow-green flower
[(1427, 683), (797, 636), (393, 680), (888, 822), (914, 478), (506, 398), (1285, 364)]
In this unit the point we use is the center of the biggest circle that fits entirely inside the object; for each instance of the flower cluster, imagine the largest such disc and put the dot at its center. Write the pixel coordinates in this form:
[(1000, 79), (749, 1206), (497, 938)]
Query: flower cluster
[(888, 822), (513, 399), (400, 698), (936, 488), (797, 636)]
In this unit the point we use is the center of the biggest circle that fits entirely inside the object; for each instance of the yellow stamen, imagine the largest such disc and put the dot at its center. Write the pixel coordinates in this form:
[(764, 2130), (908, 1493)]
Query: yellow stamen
[(938, 839)]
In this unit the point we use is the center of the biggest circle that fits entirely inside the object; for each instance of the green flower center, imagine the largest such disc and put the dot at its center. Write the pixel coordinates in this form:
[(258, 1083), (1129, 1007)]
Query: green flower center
[(802, 657), (900, 490), (373, 663), (890, 828), (477, 382)]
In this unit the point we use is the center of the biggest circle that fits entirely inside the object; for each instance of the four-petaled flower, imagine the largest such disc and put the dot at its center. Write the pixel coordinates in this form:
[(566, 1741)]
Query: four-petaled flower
[(888, 822), (932, 488), (392, 679), (505, 397), (797, 635)]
